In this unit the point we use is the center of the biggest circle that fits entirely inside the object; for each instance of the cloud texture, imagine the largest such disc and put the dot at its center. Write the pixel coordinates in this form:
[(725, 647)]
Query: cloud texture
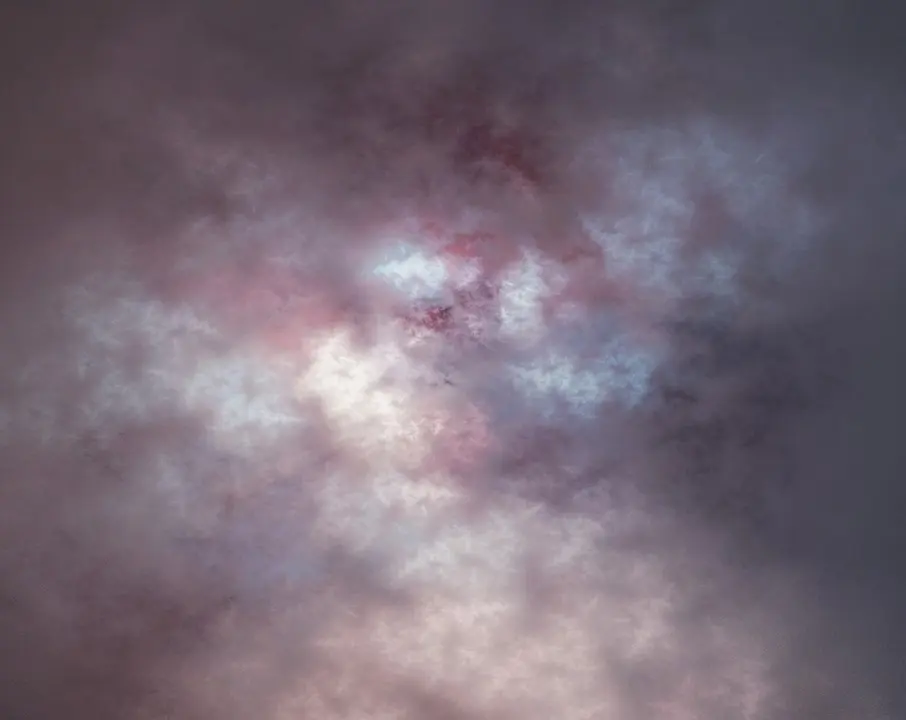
[(450, 360)]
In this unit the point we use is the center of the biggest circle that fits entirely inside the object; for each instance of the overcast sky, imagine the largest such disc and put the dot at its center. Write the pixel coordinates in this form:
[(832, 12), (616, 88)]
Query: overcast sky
[(452, 360)]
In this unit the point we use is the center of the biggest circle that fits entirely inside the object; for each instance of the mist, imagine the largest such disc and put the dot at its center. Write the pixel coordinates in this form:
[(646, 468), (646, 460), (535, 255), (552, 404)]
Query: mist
[(451, 360)]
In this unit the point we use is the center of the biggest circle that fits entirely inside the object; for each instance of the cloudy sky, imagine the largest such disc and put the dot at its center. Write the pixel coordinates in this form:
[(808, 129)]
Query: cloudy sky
[(451, 360)]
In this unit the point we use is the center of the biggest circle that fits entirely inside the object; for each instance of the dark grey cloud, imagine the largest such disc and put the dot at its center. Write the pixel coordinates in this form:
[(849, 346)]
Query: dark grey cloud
[(644, 458)]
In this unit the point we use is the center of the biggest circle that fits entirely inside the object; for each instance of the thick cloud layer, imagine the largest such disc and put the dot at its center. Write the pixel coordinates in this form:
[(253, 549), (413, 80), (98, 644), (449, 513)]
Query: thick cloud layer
[(450, 360)]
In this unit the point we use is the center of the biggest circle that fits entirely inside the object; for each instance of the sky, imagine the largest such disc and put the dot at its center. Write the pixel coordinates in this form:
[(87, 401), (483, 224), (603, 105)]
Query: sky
[(451, 360)]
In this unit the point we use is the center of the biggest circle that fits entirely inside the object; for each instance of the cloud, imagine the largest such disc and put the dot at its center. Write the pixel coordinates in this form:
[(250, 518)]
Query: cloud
[(448, 360)]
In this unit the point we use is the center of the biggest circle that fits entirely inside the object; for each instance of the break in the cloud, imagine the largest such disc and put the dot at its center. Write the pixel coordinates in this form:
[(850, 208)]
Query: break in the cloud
[(417, 362)]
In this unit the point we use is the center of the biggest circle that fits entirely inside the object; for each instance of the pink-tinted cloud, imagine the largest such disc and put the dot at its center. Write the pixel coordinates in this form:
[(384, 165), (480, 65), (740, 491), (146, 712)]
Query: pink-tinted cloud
[(377, 376)]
